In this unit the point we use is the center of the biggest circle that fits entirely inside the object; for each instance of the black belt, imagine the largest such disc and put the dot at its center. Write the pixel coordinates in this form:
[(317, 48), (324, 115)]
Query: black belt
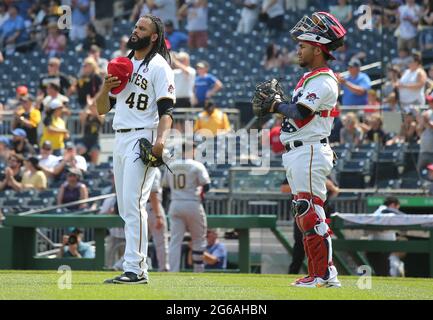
[(128, 130), (298, 143)]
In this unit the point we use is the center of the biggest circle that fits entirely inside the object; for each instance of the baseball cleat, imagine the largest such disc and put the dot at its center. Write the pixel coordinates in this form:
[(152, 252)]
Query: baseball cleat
[(127, 278), (306, 282), (331, 281)]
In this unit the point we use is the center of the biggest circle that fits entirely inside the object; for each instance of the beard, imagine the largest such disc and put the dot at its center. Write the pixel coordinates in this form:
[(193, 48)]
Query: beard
[(141, 43)]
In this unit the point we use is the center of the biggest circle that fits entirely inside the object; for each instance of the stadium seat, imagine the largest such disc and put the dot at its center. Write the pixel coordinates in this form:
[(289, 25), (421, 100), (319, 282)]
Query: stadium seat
[(410, 184)]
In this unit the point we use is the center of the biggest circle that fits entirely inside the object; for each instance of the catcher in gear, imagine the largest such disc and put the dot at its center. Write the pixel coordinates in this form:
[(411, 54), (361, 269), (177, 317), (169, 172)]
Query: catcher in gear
[(307, 124)]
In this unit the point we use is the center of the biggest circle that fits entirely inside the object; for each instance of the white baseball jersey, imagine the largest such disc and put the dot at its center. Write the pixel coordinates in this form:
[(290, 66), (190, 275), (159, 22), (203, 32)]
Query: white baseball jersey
[(187, 179), (318, 91), (136, 105)]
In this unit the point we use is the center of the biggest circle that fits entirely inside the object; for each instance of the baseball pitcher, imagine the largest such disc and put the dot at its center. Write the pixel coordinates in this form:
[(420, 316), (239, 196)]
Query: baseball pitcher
[(307, 124), (141, 87)]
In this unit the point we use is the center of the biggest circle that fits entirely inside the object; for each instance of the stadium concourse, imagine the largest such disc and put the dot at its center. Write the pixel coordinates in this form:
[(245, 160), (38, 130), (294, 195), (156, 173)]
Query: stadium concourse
[(379, 139)]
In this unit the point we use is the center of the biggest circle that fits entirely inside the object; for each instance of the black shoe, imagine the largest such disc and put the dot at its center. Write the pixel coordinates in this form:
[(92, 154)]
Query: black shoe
[(128, 278)]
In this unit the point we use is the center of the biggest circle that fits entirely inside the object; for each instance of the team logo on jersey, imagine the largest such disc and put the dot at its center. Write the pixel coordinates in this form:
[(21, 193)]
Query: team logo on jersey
[(171, 89), (311, 96)]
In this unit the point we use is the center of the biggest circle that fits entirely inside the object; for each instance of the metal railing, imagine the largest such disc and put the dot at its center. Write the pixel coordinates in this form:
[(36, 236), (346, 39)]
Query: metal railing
[(73, 124)]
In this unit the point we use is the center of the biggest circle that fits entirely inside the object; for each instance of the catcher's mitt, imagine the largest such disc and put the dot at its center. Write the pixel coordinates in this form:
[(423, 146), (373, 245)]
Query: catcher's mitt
[(265, 95), (146, 155)]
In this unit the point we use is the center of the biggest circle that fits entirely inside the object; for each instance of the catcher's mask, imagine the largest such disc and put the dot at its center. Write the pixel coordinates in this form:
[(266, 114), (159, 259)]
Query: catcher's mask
[(321, 30)]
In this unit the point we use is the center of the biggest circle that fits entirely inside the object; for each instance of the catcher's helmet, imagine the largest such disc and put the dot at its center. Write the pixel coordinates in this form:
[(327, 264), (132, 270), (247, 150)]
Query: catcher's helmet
[(322, 29), (122, 68)]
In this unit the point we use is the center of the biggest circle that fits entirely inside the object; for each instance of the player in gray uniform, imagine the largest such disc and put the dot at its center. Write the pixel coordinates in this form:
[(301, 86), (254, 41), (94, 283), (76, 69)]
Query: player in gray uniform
[(157, 223), (189, 178)]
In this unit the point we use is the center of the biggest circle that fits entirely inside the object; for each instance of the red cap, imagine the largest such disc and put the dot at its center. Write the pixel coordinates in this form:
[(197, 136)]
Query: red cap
[(22, 90), (430, 166), (122, 68)]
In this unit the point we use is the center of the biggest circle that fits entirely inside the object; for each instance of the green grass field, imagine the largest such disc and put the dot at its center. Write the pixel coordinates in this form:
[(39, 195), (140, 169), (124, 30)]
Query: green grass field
[(210, 286)]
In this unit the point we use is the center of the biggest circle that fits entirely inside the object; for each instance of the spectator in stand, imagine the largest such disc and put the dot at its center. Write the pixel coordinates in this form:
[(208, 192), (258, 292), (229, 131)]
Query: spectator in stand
[(140, 9), (196, 13), (73, 190), (408, 17), (33, 177), (408, 131), (426, 26), (412, 83), (12, 173), (55, 76), (375, 132), (123, 50), (342, 11), (71, 159), (15, 103), (104, 16), (54, 129), (164, 9), (355, 85), (55, 42), (212, 121), (392, 75), (93, 38), (429, 83), (351, 132), (390, 13), (274, 57), (403, 59), (336, 127), (13, 30), (27, 117), (4, 14), (184, 79), (53, 93), (91, 123), (20, 144), (80, 19), (249, 15), (95, 53), (299, 5), (373, 103), (5, 151), (175, 37), (206, 85), (48, 161), (273, 11), (89, 82), (425, 131)]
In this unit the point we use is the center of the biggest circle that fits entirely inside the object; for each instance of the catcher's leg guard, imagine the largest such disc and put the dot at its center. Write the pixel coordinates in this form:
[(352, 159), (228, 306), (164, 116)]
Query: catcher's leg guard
[(310, 218)]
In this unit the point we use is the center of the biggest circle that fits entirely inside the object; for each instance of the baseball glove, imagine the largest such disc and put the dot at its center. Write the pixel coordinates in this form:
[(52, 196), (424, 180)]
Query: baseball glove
[(265, 95), (146, 155)]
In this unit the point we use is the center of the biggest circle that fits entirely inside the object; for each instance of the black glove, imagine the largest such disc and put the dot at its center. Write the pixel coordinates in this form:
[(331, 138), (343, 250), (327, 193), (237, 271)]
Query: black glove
[(265, 95), (146, 155)]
